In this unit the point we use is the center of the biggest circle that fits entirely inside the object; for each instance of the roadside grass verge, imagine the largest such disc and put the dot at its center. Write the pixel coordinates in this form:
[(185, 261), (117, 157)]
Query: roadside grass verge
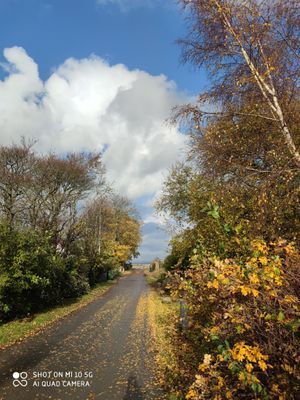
[(155, 277), (163, 321), (17, 330)]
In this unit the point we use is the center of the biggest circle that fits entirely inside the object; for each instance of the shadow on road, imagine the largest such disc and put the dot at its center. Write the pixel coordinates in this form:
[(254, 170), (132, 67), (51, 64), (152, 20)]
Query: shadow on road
[(133, 391)]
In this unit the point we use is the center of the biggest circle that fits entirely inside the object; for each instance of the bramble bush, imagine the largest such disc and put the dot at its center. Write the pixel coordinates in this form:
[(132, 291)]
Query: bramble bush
[(244, 319)]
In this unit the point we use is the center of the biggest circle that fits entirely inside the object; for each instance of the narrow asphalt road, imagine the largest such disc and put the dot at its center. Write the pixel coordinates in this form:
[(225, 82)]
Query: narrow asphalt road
[(99, 352)]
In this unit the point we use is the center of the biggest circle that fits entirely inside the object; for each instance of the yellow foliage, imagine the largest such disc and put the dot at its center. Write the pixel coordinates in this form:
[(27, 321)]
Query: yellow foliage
[(251, 296), (214, 284), (241, 352), (262, 365), (253, 278), (191, 394), (245, 290), (249, 367), (263, 260), (122, 252), (259, 246)]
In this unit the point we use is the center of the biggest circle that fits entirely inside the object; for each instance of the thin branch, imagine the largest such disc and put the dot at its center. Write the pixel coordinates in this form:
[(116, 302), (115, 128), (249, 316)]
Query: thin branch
[(238, 113)]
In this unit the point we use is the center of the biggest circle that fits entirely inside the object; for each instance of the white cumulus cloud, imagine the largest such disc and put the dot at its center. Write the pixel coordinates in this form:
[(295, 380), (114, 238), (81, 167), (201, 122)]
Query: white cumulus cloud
[(88, 104)]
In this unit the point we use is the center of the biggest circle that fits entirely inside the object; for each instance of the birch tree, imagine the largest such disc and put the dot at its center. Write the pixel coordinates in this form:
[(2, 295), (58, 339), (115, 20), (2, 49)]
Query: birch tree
[(251, 48)]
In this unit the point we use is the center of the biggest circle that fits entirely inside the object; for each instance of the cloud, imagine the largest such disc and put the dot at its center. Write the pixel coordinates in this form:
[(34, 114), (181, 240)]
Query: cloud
[(155, 242), (89, 105)]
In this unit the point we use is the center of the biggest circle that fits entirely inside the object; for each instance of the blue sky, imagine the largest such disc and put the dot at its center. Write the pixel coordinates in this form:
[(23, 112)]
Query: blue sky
[(142, 37), (89, 55)]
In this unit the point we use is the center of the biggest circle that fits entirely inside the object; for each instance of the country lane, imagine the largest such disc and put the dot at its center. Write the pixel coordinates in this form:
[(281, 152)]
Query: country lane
[(102, 351)]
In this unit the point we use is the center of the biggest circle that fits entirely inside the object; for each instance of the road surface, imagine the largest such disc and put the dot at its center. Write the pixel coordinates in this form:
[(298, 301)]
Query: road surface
[(100, 352)]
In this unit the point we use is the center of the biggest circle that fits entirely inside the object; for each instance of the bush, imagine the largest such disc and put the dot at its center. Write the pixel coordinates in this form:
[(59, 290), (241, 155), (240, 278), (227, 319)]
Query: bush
[(97, 272), (112, 266), (31, 272), (75, 282), (33, 276), (244, 323), (170, 262), (128, 266)]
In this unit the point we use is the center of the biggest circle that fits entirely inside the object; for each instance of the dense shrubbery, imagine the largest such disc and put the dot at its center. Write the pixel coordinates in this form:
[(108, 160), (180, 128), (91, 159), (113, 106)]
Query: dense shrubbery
[(31, 272), (244, 318), (33, 275)]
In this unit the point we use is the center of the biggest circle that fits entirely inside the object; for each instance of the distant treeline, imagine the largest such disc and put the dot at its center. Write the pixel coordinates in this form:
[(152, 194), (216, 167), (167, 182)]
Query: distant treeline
[(62, 228)]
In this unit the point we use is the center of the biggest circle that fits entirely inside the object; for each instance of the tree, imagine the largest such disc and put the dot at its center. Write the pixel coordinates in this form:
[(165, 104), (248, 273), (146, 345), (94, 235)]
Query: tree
[(128, 226), (98, 220), (16, 163), (61, 228), (58, 185), (111, 232), (239, 159), (251, 49)]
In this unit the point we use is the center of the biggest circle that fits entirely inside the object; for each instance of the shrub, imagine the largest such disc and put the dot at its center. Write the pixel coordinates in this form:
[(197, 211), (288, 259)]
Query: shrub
[(31, 272), (244, 322), (97, 271), (75, 282), (112, 266)]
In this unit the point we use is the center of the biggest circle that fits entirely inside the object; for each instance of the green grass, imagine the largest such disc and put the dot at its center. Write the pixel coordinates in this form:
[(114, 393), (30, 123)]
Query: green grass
[(154, 277), (17, 330)]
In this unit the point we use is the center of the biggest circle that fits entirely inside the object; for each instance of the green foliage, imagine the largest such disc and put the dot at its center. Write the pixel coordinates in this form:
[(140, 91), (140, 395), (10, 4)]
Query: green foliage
[(52, 245), (31, 272), (34, 276), (114, 273), (170, 262), (76, 281), (112, 266)]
